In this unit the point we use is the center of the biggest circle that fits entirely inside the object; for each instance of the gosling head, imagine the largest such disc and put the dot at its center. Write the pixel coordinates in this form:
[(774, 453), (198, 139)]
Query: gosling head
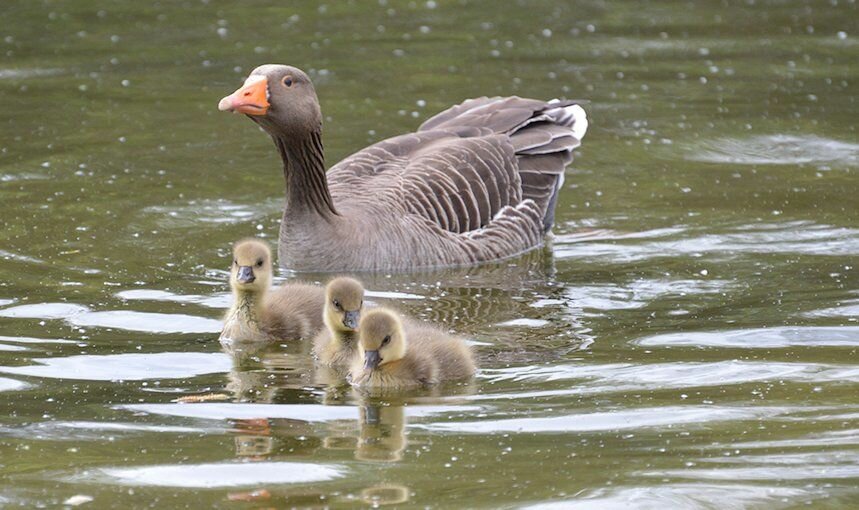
[(382, 339), (344, 300), (280, 98), (251, 270)]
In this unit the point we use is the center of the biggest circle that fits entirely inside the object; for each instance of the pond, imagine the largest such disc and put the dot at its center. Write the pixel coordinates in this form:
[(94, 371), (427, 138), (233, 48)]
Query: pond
[(686, 338)]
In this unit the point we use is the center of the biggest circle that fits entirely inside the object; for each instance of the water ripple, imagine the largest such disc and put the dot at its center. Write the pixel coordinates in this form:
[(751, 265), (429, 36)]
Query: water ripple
[(227, 474), (654, 417), (777, 150), (623, 376), (147, 322), (31, 340), (690, 496), (220, 300), (11, 385), (637, 294), (128, 367), (303, 412), (802, 237), (221, 211), (44, 311), (760, 338), (778, 467)]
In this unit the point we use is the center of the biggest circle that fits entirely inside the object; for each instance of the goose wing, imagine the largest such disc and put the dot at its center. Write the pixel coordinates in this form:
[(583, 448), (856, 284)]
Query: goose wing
[(466, 164)]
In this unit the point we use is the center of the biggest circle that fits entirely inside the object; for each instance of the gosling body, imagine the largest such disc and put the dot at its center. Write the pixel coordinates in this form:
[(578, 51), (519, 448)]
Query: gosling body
[(396, 354), (262, 314)]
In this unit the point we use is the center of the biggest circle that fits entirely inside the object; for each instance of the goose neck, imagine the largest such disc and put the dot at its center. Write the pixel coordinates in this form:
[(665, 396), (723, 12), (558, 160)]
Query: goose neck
[(247, 306), (304, 172)]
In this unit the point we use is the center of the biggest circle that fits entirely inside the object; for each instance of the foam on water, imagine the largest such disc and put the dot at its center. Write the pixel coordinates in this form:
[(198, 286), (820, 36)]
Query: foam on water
[(129, 367)]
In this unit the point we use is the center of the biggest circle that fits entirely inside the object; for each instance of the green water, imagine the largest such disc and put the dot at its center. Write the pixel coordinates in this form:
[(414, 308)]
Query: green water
[(687, 339)]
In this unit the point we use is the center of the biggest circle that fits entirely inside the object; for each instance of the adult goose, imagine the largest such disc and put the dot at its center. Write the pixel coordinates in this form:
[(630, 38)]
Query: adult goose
[(477, 182)]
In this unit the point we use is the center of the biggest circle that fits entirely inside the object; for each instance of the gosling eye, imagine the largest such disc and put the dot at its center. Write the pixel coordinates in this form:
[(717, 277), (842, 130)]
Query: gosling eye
[(337, 305), (259, 263), (386, 340), (235, 262), (288, 81)]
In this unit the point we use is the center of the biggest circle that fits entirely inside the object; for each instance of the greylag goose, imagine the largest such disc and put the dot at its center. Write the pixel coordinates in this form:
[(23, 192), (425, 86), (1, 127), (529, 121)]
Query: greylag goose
[(337, 345), (475, 183), (260, 313), (393, 355)]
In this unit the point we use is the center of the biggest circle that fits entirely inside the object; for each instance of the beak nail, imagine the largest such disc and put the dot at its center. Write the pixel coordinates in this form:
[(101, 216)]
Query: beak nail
[(245, 274)]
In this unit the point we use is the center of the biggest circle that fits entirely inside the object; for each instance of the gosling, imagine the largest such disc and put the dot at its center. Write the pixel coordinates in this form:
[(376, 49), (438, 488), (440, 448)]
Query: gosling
[(337, 345), (392, 356), (260, 313)]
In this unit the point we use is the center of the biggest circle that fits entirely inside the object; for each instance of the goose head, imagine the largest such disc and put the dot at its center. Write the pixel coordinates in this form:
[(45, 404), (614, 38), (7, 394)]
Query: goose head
[(251, 271), (382, 339), (343, 303), (280, 98)]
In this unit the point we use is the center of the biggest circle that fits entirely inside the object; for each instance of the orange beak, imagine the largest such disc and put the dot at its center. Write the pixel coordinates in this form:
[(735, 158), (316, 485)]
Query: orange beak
[(250, 99)]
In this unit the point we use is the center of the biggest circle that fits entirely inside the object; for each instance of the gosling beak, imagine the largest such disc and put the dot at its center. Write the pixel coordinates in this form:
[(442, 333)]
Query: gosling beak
[(350, 319), (371, 360), (245, 274), (250, 99)]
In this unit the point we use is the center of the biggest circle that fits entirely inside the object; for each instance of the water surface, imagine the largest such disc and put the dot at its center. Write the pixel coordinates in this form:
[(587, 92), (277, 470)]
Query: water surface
[(687, 338)]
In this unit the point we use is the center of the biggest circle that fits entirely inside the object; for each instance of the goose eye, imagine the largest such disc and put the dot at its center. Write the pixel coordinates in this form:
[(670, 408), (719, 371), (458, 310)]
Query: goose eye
[(386, 340), (235, 262), (337, 305), (259, 263), (288, 81)]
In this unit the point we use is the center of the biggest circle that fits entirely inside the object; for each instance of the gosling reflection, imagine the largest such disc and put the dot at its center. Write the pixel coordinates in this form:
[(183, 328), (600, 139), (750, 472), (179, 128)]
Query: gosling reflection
[(382, 434), (253, 439), (386, 494), (267, 374)]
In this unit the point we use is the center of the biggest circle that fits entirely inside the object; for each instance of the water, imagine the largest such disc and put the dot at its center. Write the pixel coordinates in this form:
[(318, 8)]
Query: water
[(687, 339)]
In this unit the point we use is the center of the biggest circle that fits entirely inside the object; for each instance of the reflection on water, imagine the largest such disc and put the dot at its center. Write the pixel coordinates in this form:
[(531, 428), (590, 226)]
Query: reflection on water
[(685, 495), (129, 367), (224, 474), (685, 339), (779, 150)]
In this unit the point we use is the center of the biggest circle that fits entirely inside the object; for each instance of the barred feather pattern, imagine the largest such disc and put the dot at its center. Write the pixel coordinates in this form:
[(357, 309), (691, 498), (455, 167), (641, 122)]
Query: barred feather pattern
[(477, 182)]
